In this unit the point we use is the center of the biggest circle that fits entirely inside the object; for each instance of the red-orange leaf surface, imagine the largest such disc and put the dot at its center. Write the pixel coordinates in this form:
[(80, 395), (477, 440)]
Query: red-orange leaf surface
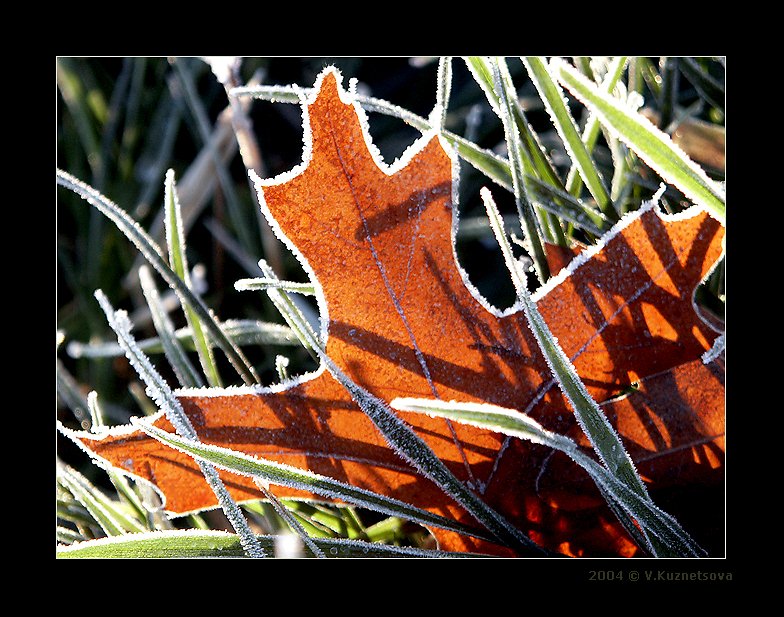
[(401, 322)]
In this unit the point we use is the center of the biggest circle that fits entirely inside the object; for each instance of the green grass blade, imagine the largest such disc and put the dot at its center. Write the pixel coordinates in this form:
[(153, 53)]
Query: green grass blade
[(534, 159), (262, 284), (528, 220), (649, 143), (154, 256), (593, 126), (564, 124), (287, 475), (175, 354), (568, 207), (197, 543), (166, 401), (107, 514), (175, 239)]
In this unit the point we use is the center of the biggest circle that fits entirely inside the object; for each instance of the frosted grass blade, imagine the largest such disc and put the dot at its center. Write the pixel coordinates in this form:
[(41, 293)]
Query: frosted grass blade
[(602, 435), (185, 371), (240, 331), (175, 240), (286, 475), (166, 401), (528, 219), (292, 522), (493, 166), (554, 101), (262, 284), (648, 142), (592, 126), (193, 543), (154, 256), (531, 157), (443, 88)]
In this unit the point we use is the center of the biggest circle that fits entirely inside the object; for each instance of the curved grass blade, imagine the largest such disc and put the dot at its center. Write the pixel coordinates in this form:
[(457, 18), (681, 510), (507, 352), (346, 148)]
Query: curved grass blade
[(154, 256), (509, 422), (175, 240), (649, 143), (194, 543), (185, 371), (165, 399), (240, 331), (564, 124), (286, 475)]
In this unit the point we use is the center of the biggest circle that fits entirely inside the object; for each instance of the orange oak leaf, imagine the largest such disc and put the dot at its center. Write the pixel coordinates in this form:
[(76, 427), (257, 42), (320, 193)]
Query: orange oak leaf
[(400, 319)]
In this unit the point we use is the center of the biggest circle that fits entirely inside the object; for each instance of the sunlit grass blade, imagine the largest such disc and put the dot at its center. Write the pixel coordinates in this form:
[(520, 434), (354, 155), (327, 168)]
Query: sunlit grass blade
[(593, 126), (159, 390), (564, 124), (286, 475), (240, 331), (107, 513), (513, 423), (175, 354), (493, 166), (175, 240), (195, 543), (649, 143), (154, 256), (262, 284)]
